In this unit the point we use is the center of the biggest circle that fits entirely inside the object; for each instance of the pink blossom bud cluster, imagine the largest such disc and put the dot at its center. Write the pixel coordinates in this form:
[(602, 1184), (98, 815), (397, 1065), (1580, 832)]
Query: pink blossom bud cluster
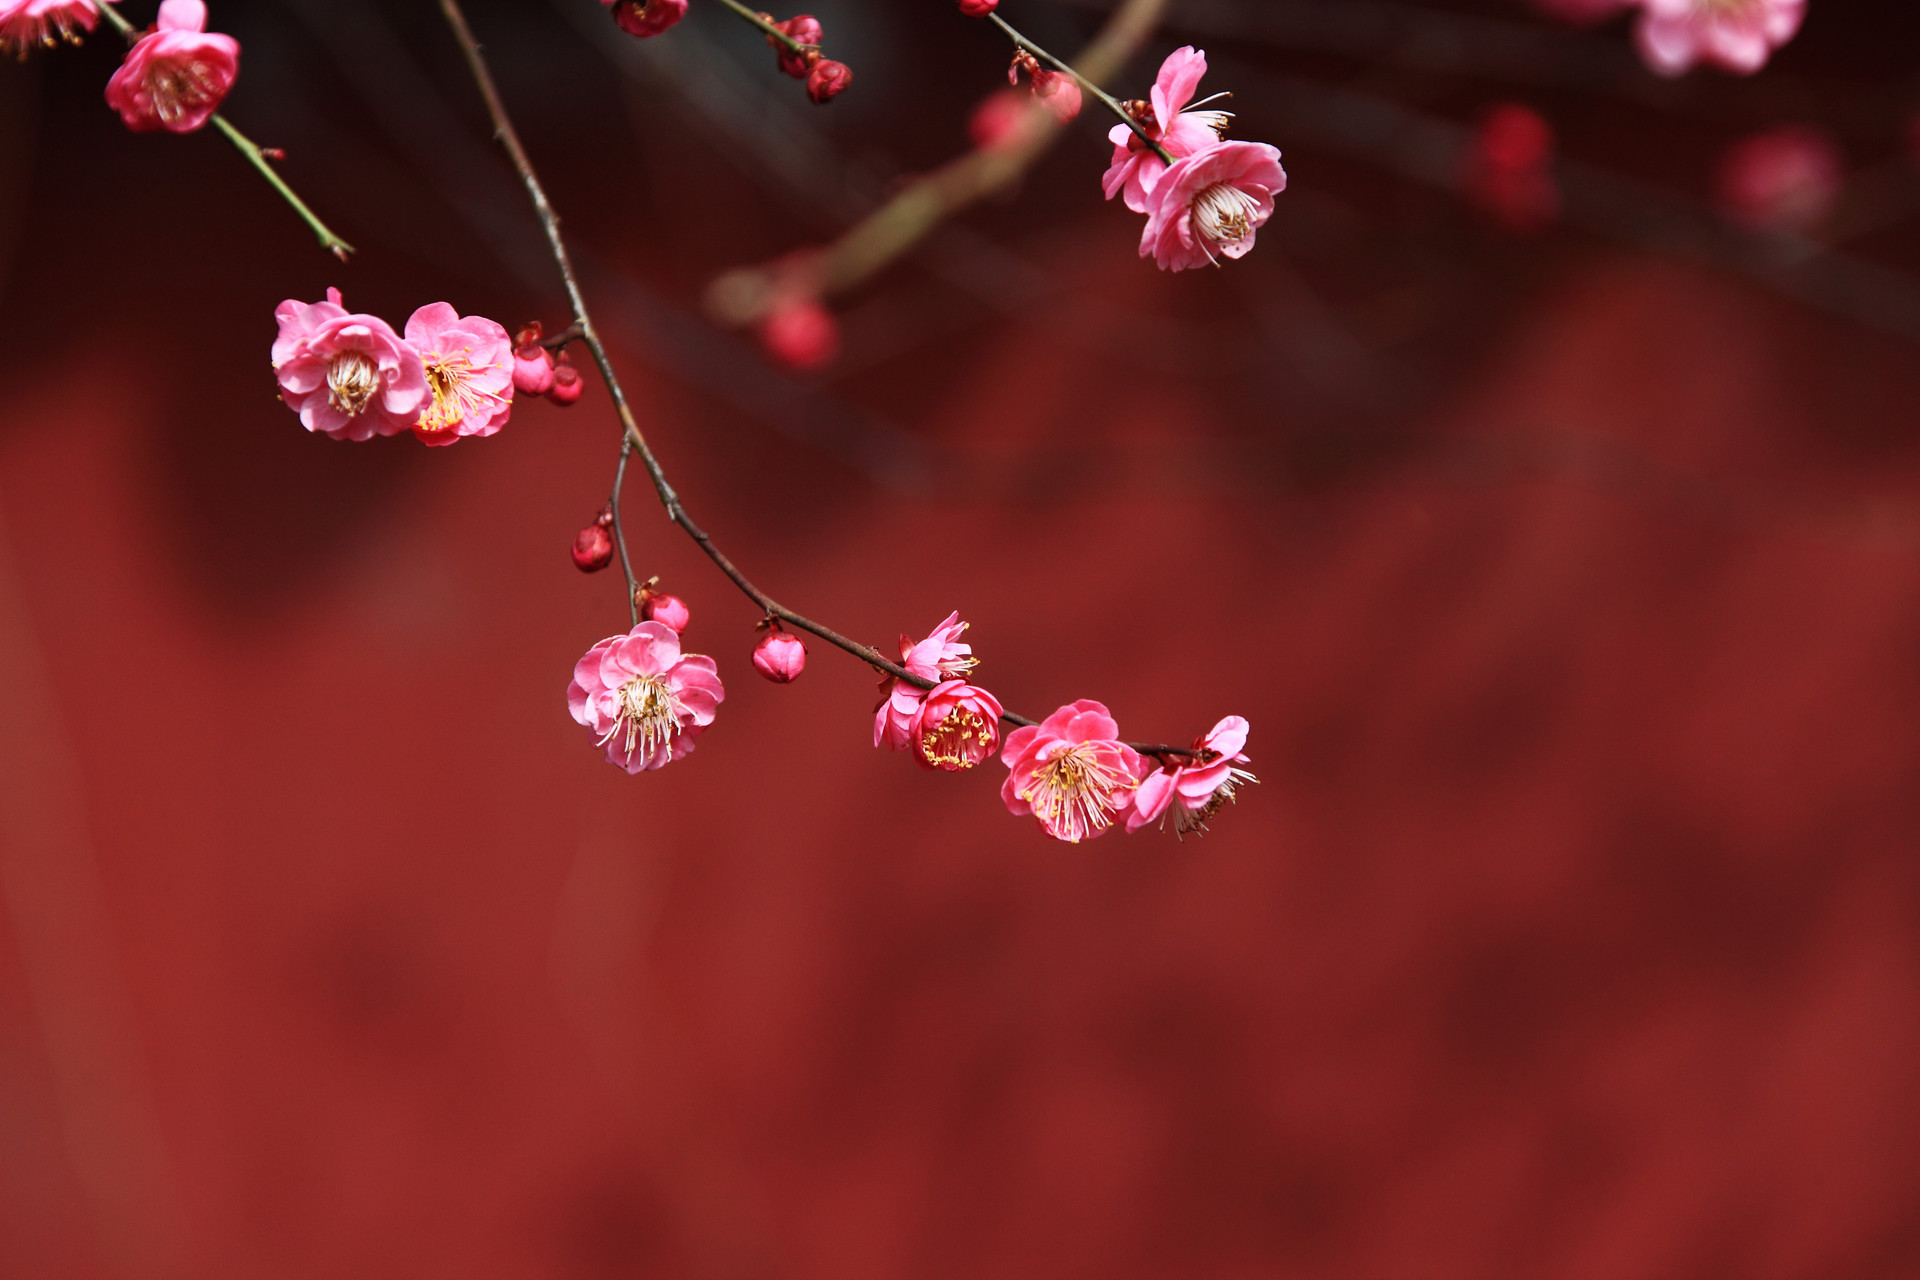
[(1216, 195), (1675, 35), (538, 372), (351, 377), (826, 79), (1057, 91)]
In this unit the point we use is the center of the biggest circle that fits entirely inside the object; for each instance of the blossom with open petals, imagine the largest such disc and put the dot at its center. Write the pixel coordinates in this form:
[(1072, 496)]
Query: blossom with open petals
[(940, 657), (1071, 772), (1135, 168), (26, 23), (1194, 792), (1738, 35), (645, 18), (958, 727), (642, 699), (175, 77), (1211, 204), (469, 366), (348, 376)]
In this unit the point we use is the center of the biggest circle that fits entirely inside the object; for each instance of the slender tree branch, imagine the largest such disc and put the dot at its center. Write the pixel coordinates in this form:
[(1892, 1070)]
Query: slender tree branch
[(256, 156), (1108, 100), (620, 533), (633, 441)]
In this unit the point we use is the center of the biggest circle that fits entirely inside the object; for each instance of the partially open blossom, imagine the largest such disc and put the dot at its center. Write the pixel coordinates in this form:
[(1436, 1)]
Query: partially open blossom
[(646, 18), (1135, 168), (26, 23), (940, 656), (1508, 171), (593, 546), (1211, 204), (532, 366), (469, 365), (978, 8), (801, 334), (828, 80), (670, 611), (1071, 772), (780, 657), (802, 29), (1785, 179), (958, 727), (175, 77), (1738, 35), (1194, 792), (642, 698), (567, 385), (348, 376)]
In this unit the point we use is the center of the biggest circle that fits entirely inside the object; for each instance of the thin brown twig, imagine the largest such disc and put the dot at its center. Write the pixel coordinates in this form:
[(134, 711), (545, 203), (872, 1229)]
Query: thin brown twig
[(772, 32), (633, 441)]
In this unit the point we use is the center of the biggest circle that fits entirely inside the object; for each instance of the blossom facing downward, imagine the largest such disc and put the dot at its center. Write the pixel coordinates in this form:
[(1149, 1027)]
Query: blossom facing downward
[(469, 367), (958, 727), (646, 18), (642, 698), (1785, 179), (175, 77), (1071, 772), (26, 23), (1194, 792), (1737, 35), (348, 376), (1135, 168), (1211, 204)]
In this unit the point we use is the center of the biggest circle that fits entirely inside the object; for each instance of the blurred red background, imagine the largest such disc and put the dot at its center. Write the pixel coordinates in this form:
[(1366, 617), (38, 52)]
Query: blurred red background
[(1571, 584)]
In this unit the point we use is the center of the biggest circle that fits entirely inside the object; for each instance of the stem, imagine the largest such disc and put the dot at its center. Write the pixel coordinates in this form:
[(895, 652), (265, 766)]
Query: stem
[(620, 533), (773, 32), (1113, 105), (632, 440), (330, 242)]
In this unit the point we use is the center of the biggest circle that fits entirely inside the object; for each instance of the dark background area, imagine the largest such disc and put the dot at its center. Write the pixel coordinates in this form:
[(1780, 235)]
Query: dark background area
[(1571, 583)]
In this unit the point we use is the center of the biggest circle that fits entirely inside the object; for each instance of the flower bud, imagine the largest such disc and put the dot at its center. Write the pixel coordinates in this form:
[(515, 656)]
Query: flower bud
[(804, 29), (997, 119), (567, 385), (655, 607), (780, 657), (532, 370), (978, 8), (645, 18), (828, 80), (1058, 93), (801, 334), (592, 548)]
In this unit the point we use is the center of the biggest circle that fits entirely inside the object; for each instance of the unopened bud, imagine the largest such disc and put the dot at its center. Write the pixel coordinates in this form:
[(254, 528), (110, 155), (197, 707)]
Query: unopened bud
[(592, 548), (803, 29), (532, 370), (800, 334), (780, 657), (646, 18), (655, 607), (567, 385), (1058, 93), (828, 80), (978, 8)]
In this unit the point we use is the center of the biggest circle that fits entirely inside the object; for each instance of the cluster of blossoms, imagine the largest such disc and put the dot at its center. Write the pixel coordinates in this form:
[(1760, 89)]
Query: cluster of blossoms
[(1675, 35), (826, 79), (1214, 197), (350, 376)]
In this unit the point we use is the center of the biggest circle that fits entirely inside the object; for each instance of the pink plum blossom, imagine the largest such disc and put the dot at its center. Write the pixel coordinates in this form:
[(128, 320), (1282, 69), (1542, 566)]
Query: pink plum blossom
[(780, 657), (1135, 168), (348, 376), (1059, 93), (642, 698), (1211, 204), (958, 727), (940, 657), (645, 18), (469, 367), (1785, 179), (26, 23), (532, 369), (1738, 35), (1194, 792), (896, 720), (1071, 772), (175, 77)]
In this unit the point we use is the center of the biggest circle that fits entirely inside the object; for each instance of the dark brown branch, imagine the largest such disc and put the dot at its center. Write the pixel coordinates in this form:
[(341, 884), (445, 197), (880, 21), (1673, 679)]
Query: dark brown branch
[(633, 441)]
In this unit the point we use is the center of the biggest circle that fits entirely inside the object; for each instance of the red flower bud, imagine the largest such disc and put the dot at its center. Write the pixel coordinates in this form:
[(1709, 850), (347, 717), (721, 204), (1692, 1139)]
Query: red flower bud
[(592, 548), (804, 29), (567, 385), (978, 8), (663, 608), (801, 334), (780, 657), (828, 80), (532, 370), (1058, 93)]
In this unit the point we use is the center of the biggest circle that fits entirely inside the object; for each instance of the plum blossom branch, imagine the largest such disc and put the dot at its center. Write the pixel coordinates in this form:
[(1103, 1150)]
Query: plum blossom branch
[(259, 157), (1106, 99), (633, 441)]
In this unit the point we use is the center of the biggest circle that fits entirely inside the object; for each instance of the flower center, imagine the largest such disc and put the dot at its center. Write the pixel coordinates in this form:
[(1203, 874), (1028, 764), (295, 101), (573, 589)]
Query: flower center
[(180, 88), (960, 741), (1224, 214), (449, 378), (1072, 794), (649, 715), (352, 378)]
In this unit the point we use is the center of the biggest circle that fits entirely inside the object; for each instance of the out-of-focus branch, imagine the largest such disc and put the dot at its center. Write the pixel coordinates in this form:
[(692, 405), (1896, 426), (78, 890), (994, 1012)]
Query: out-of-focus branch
[(743, 296)]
